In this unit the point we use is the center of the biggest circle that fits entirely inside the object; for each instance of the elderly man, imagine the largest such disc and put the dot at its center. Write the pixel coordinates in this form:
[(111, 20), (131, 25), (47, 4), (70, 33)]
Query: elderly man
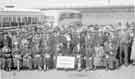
[(110, 55), (82, 42), (132, 57), (90, 51), (124, 43)]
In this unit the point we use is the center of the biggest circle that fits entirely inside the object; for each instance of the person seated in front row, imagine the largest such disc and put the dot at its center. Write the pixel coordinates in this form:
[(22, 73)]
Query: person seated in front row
[(111, 61)]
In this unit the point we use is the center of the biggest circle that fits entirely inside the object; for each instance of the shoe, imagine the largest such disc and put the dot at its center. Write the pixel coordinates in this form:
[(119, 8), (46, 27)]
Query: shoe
[(133, 63), (87, 69), (106, 69), (126, 65)]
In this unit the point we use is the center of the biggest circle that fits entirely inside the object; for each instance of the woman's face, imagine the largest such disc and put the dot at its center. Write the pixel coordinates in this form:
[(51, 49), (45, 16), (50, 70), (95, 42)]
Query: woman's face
[(5, 37), (98, 44)]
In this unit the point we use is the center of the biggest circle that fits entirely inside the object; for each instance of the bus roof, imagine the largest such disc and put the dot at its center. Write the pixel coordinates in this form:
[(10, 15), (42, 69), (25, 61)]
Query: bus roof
[(20, 12), (61, 11)]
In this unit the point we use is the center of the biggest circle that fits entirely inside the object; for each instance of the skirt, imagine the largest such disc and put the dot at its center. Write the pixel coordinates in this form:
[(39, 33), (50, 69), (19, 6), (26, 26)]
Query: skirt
[(27, 62), (37, 60)]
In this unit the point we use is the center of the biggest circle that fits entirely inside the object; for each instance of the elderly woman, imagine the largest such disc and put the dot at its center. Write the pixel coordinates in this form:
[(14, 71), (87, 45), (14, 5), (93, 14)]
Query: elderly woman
[(99, 53), (17, 58), (110, 55), (6, 50), (26, 54)]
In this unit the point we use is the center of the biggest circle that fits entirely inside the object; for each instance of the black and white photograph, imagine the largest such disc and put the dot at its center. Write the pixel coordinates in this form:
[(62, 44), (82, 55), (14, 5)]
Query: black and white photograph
[(67, 39)]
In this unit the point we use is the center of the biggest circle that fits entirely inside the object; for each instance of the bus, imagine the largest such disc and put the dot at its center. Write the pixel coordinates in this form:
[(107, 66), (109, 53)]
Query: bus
[(10, 17), (63, 17)]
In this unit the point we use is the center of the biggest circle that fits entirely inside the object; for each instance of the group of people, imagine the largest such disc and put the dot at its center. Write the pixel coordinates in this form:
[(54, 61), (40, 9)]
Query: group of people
[(37, 47)]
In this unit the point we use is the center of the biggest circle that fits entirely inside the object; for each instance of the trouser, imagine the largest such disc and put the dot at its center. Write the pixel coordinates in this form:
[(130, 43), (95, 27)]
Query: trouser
[(45, 67), (111, 62), (27, 62), (2, 62), (17, 63), (78, 64), (37, 62), (8, 63), (124, 50), (54, 61), (51, 61), (89, 63), (46, 63), (83, 63)]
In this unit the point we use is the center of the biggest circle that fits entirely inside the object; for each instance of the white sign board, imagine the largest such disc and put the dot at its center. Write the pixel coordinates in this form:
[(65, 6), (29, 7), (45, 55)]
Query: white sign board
[(0, 74), (65, 62)]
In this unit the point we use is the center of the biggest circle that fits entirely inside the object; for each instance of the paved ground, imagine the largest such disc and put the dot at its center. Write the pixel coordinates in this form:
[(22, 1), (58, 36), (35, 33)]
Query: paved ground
[(122, 73)]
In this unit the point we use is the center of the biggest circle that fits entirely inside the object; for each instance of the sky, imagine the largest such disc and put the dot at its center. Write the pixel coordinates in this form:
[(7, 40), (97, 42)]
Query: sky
[(65, 3)]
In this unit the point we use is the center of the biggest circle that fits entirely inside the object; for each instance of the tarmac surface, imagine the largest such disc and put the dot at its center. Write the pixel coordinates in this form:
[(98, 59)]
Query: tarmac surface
[(122, 73)]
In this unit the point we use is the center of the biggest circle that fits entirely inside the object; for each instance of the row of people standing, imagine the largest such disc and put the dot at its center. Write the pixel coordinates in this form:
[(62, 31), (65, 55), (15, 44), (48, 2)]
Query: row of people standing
[(32, 48)]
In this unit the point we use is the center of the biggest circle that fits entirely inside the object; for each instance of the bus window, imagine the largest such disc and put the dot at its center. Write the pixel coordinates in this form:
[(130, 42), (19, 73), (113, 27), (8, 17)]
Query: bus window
[(71, 15), (0, 21), (29, 20), (10, 20), (5, 21), (23, 20), (18, 20), (39, 19), (77, 16), (14, 22), (65, 15), (34, 20), (42, 19)]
